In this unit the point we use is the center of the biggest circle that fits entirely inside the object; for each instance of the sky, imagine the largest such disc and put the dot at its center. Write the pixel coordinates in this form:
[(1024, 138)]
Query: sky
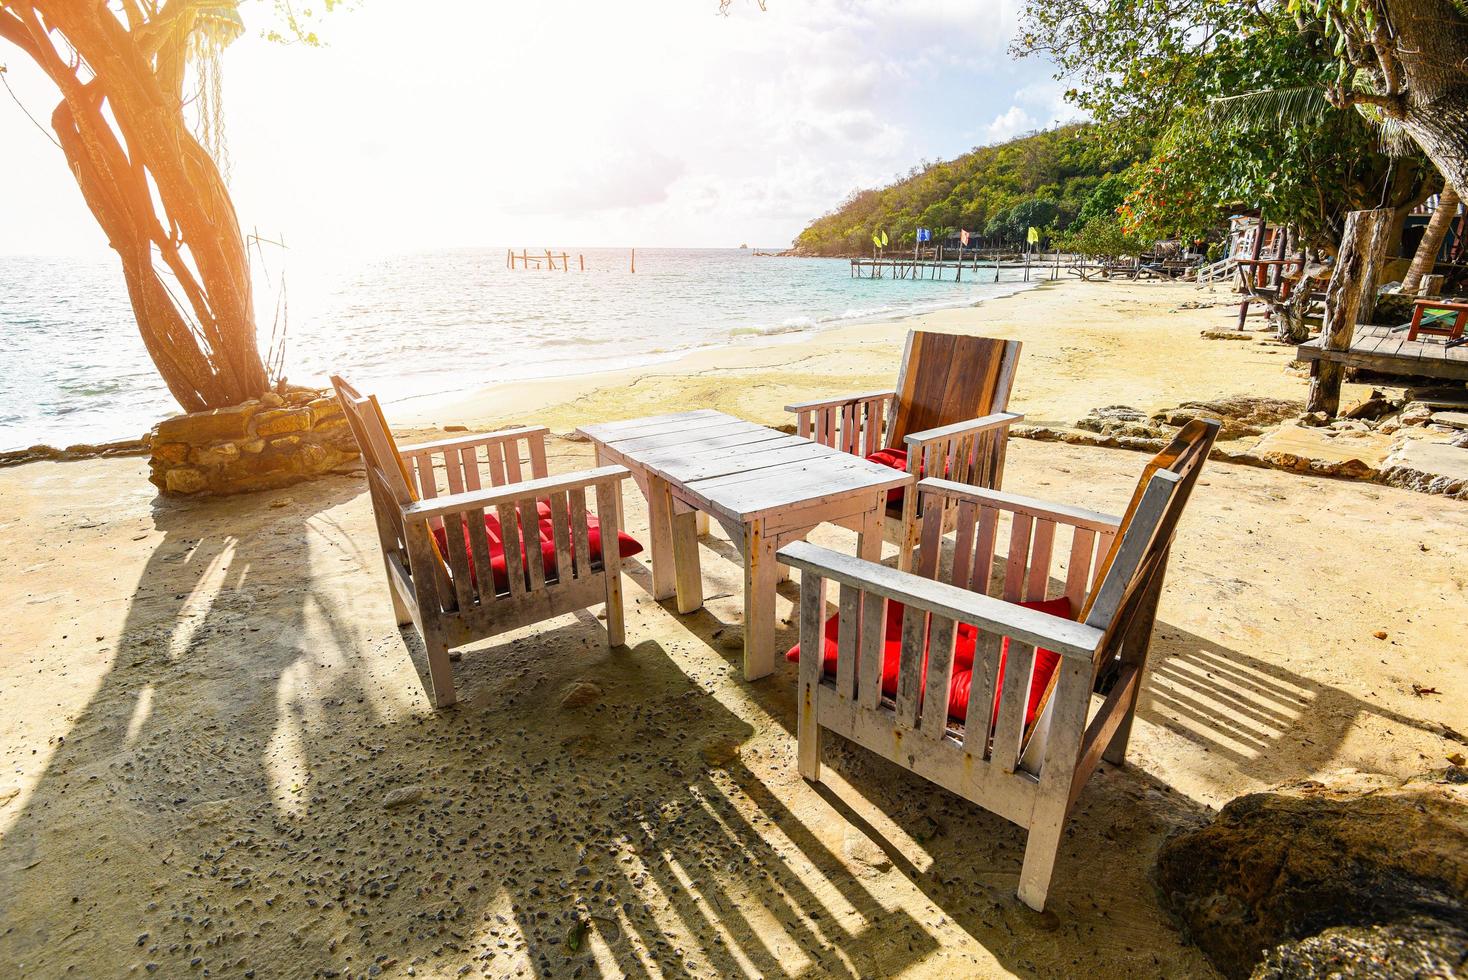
[(447, 123)]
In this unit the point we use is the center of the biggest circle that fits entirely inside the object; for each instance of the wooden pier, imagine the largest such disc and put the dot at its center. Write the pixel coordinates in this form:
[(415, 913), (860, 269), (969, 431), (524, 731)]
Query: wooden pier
[(1387, 350), (1038, 267)]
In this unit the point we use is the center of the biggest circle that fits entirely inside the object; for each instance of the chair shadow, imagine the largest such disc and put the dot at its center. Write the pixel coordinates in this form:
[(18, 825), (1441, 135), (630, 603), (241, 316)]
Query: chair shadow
[(217, 799)]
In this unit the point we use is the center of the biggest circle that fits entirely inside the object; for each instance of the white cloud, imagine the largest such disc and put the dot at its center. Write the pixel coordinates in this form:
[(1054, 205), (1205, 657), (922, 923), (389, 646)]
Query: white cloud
[(564, 122), (1009, 124)]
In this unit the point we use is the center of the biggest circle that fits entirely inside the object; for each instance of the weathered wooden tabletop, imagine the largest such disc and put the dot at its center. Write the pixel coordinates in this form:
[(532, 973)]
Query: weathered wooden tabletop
[(765, 487), (736, 470)]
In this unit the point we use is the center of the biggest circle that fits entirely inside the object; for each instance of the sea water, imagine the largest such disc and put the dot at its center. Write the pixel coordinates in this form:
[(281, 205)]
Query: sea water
[(73, 368)]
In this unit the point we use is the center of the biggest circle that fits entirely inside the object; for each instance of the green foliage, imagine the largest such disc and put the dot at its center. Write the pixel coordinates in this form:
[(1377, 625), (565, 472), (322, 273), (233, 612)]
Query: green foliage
[(1230, 96), (1101, 236), (1000, 191), (1109, 195)]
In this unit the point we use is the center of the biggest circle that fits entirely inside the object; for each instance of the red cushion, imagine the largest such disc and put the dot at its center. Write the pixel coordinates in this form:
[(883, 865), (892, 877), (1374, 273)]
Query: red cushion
[(963, 658), (897, 459), (626, 544)]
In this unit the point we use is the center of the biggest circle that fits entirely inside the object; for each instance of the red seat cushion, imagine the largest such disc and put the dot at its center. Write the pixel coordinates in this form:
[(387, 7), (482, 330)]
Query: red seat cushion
[(626, 544), (897, 459), (963, 658)]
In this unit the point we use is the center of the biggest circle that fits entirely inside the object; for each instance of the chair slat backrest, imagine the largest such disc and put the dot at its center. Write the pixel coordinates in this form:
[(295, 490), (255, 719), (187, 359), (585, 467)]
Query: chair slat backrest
[(1182, 457), (947, 378), (1131, 569), (388, 479)]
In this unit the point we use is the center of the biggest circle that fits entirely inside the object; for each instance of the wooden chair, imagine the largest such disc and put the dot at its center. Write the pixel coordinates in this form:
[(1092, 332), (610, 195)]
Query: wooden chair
[(1026, 674), (947, 417), (458, 576)]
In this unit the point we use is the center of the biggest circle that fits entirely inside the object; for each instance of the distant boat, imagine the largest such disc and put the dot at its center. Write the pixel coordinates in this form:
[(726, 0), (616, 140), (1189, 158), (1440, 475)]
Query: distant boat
[(745, 247)]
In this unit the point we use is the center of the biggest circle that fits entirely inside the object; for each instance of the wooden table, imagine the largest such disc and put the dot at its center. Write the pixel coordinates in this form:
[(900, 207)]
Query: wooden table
[(764, 488)]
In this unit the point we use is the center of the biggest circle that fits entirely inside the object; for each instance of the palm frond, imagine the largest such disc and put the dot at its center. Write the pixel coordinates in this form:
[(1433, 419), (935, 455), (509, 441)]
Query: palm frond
[(1277, 108)]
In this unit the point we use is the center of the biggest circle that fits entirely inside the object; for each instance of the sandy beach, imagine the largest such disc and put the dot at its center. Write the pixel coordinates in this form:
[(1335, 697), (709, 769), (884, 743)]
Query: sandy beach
[(206, 708)]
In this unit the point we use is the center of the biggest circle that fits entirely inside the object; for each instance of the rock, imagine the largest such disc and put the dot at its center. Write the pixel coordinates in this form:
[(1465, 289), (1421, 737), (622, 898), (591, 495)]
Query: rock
[(580, 694), (224, 452), (1225, 335), (456, 428), (1415, 413), (171, 452), (870, 859), (282, 421), (1348, 849), (1453, 420), (323, 408), (1121, 420), (1419, 947), (201, 428), (401, 796), (1374, 406), (184, 480), (1428, 467), (272, 399)]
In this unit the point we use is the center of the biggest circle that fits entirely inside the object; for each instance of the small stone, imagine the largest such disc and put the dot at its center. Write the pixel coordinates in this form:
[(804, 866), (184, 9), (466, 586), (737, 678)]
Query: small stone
[(402, 796), (272, 400), (224, 452), (252, 446), (456, 428), (580, 694), (1380, 634)]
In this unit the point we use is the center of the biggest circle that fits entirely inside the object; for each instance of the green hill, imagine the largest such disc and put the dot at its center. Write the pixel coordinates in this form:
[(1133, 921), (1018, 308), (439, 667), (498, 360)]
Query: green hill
[(1043, 180)]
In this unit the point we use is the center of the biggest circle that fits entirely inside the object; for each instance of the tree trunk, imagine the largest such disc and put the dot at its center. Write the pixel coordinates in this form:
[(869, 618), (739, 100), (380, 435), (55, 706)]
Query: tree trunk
[(1432, 240), (1430, 45), (152, 187), (1349, 299)]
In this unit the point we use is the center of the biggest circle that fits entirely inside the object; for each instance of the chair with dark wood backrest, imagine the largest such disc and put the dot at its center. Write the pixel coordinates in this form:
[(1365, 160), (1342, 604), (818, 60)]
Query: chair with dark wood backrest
[(458, 574), (984, 682), (948, 416)]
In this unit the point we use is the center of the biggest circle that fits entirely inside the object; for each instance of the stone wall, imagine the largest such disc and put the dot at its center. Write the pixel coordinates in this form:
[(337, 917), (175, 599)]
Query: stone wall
[(281, 438)]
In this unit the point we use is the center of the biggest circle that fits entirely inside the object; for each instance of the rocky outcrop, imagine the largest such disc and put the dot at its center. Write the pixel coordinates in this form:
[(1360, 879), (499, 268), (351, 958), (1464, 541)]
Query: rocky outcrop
[(273, 441), (1429, 467), (1346, 850), (1408, 950)]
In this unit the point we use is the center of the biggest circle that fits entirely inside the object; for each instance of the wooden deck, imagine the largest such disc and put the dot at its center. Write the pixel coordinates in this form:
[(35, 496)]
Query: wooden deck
[(1389, 351)]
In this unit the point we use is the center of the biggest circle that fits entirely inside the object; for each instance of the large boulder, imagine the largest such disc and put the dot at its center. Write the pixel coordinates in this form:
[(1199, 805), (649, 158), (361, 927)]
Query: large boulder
[(1345, 850)]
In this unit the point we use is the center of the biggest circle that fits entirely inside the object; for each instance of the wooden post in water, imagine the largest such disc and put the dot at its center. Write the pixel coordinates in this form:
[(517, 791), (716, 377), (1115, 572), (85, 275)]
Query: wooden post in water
[(582, 259), (1349, 299), (634, 260)]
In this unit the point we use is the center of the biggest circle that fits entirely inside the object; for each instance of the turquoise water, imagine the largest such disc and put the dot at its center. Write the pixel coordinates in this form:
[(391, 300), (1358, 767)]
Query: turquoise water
[(432, 322)]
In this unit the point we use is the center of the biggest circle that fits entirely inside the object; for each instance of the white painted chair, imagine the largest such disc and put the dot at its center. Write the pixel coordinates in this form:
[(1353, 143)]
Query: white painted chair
[(948, 417), (1016, 731), (459, 577)]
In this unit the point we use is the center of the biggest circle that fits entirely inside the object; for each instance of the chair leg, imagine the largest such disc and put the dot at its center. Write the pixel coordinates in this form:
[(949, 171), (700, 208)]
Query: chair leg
[(1047, 827), (616, 615), (400, 608), (440, 671), (808, 738)]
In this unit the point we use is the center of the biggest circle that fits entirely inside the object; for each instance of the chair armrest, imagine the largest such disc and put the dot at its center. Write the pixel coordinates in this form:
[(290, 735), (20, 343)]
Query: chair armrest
[(920, 440), (833, 402), (474, 439), (1066, 637), (1091, 520), (424, 510)]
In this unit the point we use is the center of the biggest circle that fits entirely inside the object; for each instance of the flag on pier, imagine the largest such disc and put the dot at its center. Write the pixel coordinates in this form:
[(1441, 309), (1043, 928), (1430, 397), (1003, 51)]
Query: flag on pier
[(963, 236), (924, 235), (884, 237)]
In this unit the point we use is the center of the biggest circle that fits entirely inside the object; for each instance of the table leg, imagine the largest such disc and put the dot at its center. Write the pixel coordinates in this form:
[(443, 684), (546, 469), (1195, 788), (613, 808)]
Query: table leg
[(869, 539), (602, 459), (660, 536), (685, 562), (703, 523), (759, 602)]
